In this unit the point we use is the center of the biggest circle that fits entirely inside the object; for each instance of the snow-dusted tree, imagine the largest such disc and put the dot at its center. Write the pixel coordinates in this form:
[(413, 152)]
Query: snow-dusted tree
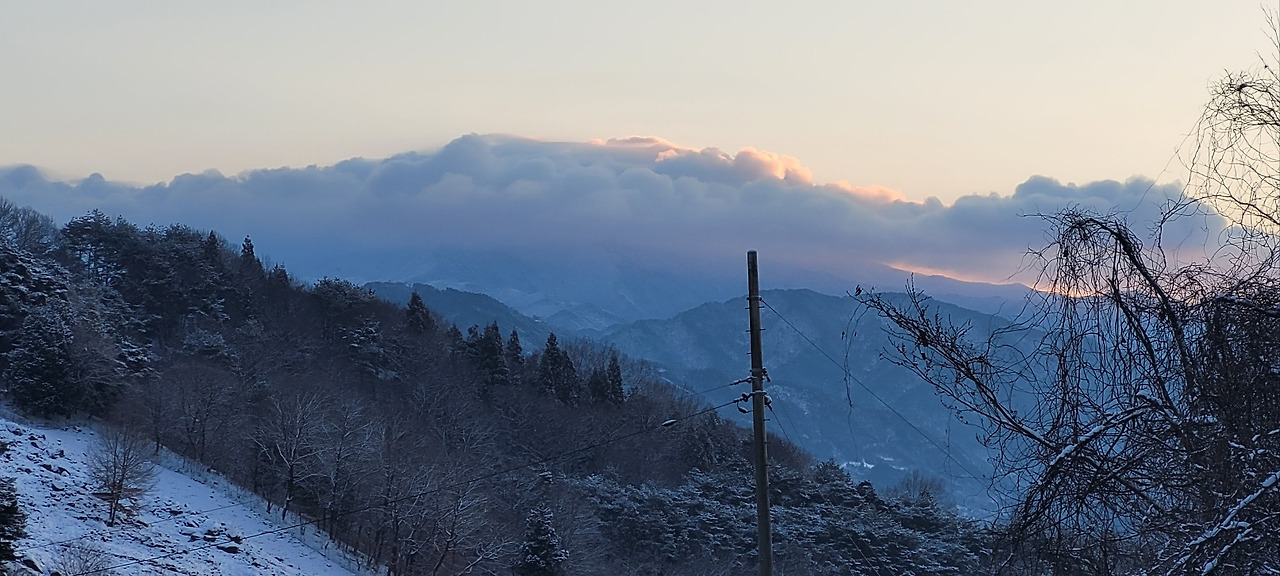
[(93, 244), (13, 521), (370, 351), (39, 369), (540, 554), (341, 305), (119, 467), (921, 488), (26, 229)]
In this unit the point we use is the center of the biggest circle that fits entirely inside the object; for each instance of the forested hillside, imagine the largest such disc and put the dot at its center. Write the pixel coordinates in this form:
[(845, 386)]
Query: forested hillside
[(428, 448)]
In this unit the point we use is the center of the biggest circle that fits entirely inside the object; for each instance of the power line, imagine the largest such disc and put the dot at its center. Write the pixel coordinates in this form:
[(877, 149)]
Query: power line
[(844, 368), (720, 387), (779, 421), (459, 484)]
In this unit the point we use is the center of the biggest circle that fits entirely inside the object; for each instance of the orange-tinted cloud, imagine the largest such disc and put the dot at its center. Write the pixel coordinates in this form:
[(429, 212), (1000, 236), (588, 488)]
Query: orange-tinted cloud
[(641, 200)]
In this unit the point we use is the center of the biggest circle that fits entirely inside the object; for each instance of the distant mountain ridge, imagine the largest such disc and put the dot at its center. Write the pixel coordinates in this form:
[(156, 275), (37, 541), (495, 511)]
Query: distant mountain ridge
[(809, 339), (597, 293), (464, 308), (704, 348)]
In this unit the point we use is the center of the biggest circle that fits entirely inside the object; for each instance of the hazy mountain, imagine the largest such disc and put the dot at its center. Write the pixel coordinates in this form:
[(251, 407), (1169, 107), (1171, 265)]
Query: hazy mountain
[(814, 403), (594, 294), (705, 348), (465, 308)]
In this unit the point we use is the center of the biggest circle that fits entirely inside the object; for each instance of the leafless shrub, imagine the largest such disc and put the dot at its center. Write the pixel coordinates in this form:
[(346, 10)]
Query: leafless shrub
[(119, 467), (82, 558)]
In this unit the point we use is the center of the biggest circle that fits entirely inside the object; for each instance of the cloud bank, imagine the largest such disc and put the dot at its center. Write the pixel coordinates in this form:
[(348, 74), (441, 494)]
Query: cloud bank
[(639, 200)]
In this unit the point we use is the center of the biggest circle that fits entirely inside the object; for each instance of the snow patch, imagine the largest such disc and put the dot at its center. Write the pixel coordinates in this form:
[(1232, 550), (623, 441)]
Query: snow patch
[(207, 527)]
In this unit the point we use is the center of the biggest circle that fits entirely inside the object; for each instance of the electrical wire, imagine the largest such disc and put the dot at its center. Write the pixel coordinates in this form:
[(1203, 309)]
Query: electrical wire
[(720, 387), (778, 419), (873, 394), (459, 484)]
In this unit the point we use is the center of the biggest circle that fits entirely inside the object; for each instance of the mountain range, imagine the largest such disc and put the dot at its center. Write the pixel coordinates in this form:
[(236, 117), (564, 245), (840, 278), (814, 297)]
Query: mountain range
[(834, 387)]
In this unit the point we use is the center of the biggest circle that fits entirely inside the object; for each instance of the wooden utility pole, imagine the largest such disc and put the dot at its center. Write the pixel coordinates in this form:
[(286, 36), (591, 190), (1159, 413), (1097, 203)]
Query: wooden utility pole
[(764, 537)]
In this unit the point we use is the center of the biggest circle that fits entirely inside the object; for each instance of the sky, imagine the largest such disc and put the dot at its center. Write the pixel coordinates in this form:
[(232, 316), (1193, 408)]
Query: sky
[(930, 99)]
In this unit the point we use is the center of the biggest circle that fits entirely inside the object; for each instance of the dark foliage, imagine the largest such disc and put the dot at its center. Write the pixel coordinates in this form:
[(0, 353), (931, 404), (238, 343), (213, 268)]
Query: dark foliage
[(13, 520)]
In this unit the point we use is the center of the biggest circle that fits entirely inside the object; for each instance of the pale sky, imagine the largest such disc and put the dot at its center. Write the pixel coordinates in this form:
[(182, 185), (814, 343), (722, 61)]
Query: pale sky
[(929, 98)]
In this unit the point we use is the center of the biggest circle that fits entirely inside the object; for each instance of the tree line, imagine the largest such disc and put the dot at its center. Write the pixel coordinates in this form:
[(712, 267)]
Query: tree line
[(421, 447)]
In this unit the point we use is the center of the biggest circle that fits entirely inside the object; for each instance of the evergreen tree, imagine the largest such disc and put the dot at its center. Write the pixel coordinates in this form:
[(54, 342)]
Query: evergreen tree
[(556, 373), (278, 278), (250, 265), (473, 344), (613, 377), (13, 520), (419, 317), (40, 368), (246, 251), (211, 249), (540, 554), (491, 359), (597, 385), (454, 343), (515, 358), (484, 350)]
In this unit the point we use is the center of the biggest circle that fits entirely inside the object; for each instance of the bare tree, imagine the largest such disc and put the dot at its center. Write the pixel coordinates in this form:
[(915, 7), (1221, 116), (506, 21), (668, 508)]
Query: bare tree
[(119, 467), (344, 460), (1137, 403), (26, 229), (288, 438), (204, 405), (82, 558), (919, 488)]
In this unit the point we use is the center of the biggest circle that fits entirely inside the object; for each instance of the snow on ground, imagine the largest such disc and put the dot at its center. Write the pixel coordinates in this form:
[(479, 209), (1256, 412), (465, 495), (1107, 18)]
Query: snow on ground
[(178, 515)]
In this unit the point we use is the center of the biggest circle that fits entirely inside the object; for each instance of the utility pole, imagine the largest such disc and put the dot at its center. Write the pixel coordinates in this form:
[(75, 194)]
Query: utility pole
[(764, 537)]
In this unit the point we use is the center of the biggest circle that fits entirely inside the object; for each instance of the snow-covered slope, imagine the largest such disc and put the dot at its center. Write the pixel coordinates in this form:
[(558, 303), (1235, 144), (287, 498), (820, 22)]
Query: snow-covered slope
[(193, 525)]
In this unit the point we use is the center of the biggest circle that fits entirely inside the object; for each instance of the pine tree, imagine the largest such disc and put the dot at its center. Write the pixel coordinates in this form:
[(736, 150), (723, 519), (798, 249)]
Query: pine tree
[(454, 343), (492, 360), (515, 358), (597, 385), (40, 367), (540, 554), (556, 373), (419, 317), (614, 393), (246, 251), (211, 250), (278, 279), (250, 265)]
